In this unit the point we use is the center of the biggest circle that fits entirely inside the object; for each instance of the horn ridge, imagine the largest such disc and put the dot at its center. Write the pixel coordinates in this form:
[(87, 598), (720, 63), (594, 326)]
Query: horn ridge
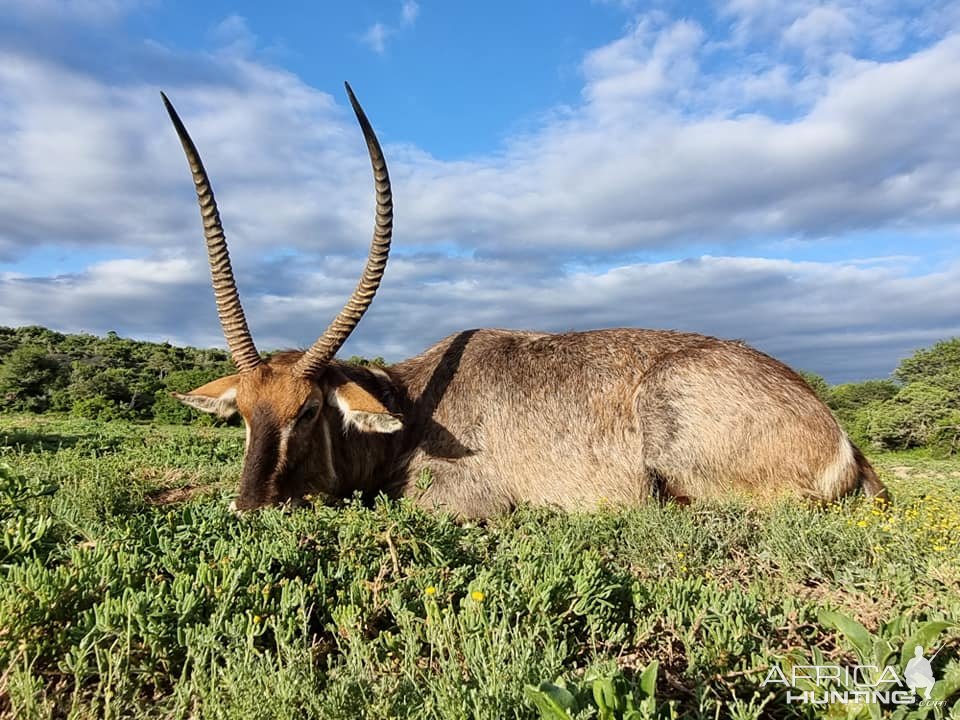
[(229, 310), (327, 345)]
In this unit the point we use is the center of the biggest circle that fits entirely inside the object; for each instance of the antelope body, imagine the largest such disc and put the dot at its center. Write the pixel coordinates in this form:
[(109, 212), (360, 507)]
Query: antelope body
[(487, 419)]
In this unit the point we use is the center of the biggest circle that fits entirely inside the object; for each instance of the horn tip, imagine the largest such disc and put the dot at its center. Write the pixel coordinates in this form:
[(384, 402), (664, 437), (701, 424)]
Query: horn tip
[(171, 111), (354, 103)]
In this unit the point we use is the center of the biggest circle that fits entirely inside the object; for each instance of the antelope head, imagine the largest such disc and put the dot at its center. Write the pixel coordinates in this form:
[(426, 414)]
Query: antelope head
[(293, 402)]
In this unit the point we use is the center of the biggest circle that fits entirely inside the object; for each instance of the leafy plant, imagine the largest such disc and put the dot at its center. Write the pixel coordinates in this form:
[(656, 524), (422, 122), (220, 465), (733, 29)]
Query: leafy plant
[(22, 536), (606, 696), (128, 589), (877, 651)]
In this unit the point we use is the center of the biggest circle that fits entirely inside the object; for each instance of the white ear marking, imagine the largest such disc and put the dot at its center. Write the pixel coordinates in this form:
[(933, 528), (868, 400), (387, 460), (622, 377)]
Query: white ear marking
[(379, 421), (225, 405), (373, 422)]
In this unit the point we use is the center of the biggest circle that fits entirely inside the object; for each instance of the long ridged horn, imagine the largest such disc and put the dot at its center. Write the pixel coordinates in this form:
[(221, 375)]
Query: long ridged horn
[(323, 350), (232, 319)]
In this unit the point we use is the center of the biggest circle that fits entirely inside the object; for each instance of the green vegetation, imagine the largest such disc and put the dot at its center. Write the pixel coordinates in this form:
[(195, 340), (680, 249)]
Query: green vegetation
[(113, 378), (925, 412), (109, 378), (919, 408), (127, 589)]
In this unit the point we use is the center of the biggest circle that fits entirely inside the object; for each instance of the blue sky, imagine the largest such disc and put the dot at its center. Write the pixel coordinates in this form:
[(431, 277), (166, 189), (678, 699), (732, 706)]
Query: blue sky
[(786, 172)]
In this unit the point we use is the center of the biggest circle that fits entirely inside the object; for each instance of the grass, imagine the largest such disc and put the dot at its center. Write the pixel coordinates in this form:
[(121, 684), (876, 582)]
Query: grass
[(127, 589)]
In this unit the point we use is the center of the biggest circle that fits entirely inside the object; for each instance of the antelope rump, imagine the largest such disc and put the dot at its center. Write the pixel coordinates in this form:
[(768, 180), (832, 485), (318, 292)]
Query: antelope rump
[(487, 419)]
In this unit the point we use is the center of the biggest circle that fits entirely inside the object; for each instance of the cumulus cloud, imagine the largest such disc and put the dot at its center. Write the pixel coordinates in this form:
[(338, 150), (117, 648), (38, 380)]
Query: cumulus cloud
[(409, 12), (825, 32), (648, 61), (377, 35), (233, 35), (845, 320), (824, 26), (672, 146), (619, 175)]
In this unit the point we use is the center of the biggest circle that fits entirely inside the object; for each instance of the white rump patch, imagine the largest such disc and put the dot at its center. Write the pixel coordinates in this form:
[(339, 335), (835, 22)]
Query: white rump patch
[(839, 474)]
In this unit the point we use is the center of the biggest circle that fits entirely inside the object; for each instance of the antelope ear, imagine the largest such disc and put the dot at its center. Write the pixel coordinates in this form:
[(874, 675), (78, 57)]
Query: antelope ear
[(362, 410), (218, 397)]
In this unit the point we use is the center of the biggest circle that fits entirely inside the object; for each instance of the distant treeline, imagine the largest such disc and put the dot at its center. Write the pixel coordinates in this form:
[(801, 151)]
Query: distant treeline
[(106, 378), (110, 377), (918, 408)]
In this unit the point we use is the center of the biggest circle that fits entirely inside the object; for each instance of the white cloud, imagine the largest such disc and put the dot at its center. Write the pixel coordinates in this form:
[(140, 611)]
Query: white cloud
[(409, 12), (646, 62), (665, 152), (825, 27), (821, 28), (623, 173), (376, 37), (233, 35), (845, 320), (620, 175)]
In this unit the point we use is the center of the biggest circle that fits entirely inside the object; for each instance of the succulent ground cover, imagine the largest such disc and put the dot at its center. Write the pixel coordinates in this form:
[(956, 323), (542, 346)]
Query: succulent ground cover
[(127, 589)]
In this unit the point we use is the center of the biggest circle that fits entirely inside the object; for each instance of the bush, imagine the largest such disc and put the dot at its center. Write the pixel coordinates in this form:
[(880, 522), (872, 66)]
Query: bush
[(28, 377), (846, 399), (169, 410), (130, 392), (101, 378), (101, 408), (945, 439), (116, 378), (938, 365), (820, 386), (915, 417), (855, 403), (923, 411)]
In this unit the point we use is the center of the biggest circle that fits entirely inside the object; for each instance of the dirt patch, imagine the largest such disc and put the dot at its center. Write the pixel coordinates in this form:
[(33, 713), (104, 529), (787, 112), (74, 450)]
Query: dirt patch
[(868, 610), (171, 496), (165, 475), (902, 471)]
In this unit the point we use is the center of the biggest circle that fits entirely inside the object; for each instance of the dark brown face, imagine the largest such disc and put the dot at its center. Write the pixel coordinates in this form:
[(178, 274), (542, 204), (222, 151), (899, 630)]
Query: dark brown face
[(281, 460), (281, 413), (291, 426)]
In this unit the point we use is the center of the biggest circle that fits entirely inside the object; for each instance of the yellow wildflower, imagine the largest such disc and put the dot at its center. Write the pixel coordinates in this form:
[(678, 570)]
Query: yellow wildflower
[(477, 596), (431, 590)]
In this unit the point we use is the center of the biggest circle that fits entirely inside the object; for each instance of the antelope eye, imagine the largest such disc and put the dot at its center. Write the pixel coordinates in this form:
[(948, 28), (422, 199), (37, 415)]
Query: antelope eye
[(308, 413)]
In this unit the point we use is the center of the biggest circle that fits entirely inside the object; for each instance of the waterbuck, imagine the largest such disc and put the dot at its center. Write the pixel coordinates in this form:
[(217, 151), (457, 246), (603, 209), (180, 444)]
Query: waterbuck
[(487, 419)]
